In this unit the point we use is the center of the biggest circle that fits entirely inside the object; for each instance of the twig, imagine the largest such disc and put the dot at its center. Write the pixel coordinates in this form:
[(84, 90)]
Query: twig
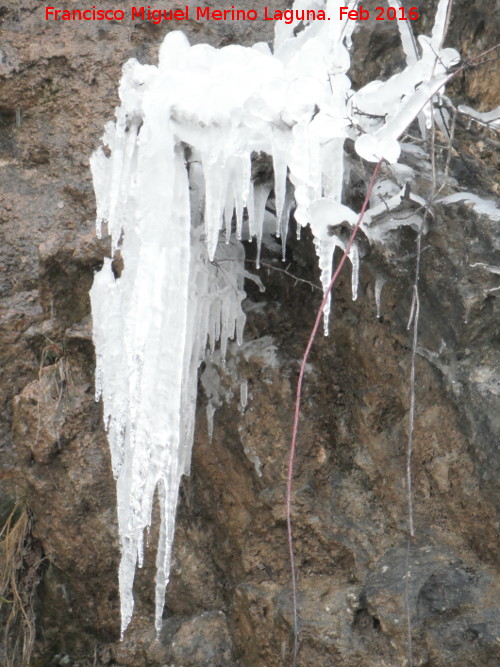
[(293, 444), (450, 143), (287, 273), (271, 267)]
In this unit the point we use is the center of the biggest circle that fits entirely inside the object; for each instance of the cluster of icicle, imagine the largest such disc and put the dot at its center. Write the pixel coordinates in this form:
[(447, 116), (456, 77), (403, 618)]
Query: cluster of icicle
[(174, 178)]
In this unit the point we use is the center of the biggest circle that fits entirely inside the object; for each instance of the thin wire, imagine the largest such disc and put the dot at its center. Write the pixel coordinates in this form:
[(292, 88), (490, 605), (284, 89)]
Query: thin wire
[(414, 318), (408, 608)]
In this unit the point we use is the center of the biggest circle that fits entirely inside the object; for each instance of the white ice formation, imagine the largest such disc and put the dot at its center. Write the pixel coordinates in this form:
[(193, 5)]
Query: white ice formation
[(175, 177), (481, 206), (489, 118)]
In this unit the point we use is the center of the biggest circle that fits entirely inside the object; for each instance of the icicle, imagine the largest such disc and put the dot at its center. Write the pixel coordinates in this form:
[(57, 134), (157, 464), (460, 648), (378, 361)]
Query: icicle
[(333, 169), (280, 168), (440, 25), (407, 38), (354, 257), (379, 284), (325, 215), (284, 222), (261, 195), (228, 214), (210, 420), (243, 396), (215, 191), (240, 183)]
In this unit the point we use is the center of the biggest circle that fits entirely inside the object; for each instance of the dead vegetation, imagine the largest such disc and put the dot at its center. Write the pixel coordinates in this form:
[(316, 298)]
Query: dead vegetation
[(20, 561)]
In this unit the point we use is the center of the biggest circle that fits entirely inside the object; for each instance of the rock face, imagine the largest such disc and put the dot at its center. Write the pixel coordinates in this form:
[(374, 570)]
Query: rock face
[(228, 600)]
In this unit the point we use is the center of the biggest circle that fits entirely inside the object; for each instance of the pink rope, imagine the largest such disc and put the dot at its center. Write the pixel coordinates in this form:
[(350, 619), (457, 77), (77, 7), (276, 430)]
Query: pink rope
[(293, 445)]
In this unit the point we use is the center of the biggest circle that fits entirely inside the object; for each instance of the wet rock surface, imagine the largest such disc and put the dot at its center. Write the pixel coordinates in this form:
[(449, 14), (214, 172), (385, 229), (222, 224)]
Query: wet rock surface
[(228, 601)]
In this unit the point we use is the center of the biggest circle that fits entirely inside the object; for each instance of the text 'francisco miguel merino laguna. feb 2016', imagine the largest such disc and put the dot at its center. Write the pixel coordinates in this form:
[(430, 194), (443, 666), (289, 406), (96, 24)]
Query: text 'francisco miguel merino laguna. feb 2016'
[(288, 16)]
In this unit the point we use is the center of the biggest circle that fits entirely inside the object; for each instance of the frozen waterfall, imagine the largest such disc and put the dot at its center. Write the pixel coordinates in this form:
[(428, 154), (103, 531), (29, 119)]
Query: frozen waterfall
[(174, 191)]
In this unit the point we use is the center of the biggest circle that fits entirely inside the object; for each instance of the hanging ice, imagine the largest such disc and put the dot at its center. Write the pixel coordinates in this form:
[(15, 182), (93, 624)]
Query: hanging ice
[(175, 178)]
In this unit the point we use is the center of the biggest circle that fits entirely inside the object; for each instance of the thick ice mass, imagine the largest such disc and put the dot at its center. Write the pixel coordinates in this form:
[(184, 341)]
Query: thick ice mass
[(175, 193)]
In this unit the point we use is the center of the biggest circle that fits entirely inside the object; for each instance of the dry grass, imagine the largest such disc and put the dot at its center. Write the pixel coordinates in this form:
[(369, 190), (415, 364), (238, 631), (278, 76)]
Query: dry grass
[(54, 376), (20, 560)]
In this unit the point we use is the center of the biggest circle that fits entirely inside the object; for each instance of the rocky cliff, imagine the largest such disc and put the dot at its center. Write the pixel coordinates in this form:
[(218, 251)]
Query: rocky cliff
[(228, 602)]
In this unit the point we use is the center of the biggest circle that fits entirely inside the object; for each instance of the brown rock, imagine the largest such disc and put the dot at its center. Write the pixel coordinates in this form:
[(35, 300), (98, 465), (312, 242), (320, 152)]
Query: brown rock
[(229, 598)]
